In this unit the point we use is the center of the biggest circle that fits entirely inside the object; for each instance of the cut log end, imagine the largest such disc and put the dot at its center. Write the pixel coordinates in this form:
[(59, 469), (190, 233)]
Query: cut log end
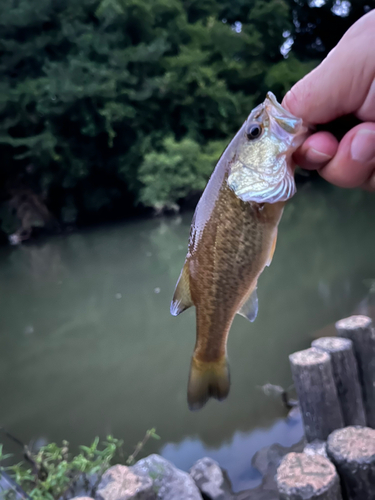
[(332, 344), (354, 323), (309, 357), (353, 444), (307, 478)]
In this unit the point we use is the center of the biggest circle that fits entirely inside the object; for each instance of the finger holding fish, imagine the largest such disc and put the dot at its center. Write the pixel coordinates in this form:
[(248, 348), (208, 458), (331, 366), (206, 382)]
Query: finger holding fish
[(348, 163)]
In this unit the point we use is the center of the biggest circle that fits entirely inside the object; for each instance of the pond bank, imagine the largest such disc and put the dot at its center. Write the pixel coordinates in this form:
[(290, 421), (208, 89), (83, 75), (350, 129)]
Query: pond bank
[(155, 478)]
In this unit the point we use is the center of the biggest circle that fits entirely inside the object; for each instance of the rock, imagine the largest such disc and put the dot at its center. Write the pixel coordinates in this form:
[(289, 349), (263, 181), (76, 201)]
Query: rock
[(10, 489), (266, 461), (316, 448), (294, 415), (211, 480), (121, 483), (170, 483), (257, 494), (83, 487), (82, 498)]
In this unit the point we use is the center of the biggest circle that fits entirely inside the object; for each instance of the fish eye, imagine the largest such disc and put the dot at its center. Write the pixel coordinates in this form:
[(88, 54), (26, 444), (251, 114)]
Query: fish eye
[(254, 131)]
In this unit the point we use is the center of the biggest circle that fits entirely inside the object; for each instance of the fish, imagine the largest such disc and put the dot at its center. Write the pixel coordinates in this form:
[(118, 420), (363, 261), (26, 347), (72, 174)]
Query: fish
[(233, 237)]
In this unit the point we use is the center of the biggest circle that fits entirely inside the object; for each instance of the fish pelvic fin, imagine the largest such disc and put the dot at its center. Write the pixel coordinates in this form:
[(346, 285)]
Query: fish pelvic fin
[(249, 310), (181, 298), (207, 380)]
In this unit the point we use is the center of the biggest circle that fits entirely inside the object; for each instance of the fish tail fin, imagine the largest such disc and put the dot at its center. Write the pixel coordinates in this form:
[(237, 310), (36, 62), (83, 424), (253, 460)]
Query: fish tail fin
[(207, 380)]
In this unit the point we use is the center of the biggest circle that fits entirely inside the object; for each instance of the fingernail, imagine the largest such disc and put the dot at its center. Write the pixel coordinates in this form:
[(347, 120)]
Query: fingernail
[(363, 146), (316, 156)]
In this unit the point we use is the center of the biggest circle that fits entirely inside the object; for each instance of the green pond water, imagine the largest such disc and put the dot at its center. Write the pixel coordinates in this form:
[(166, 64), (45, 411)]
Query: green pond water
[(88, 347)]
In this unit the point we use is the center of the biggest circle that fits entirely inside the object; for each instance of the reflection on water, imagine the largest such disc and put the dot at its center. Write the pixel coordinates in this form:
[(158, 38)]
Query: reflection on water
[(88, 347), (235, 456)]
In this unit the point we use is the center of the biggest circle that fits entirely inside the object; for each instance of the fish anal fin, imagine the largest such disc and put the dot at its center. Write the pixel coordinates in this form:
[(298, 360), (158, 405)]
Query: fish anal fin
[(207, 380), (181, 298), (249, 309), (272, 250)]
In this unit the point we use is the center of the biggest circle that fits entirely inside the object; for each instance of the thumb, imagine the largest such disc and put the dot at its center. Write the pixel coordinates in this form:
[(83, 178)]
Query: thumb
[(342, 82)]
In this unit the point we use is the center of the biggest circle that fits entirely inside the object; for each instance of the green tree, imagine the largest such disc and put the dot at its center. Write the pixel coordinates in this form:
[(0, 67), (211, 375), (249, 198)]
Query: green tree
[(100, 99), (318, 25)]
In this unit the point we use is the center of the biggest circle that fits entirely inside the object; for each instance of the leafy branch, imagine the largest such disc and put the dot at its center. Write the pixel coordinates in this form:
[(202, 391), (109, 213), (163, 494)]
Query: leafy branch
[(149, 434)]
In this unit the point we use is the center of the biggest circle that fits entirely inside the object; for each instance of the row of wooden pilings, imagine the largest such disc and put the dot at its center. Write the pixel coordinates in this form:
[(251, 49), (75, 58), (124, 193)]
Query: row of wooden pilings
[(335, 384)]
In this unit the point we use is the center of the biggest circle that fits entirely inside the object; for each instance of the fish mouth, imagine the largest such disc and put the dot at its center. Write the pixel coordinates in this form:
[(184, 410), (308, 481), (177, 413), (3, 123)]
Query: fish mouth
[(274, 102), (286, 120)]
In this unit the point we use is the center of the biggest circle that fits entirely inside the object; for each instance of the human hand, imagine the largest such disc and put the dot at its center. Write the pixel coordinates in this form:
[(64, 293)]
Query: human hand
[(344, 83)]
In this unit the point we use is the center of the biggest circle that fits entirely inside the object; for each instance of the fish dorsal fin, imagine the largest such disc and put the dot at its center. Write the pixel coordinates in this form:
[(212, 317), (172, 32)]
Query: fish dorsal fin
[(272, 250), (250, 308), (182, 298)]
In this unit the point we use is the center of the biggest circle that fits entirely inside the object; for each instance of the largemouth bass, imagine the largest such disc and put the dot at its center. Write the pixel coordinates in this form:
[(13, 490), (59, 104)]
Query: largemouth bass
[(233, 237)]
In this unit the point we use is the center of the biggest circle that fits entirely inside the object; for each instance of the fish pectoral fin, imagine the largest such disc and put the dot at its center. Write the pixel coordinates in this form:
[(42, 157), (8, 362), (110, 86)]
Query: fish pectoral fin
[(272, 250), (249, 310), (207, 380), (181, 298)]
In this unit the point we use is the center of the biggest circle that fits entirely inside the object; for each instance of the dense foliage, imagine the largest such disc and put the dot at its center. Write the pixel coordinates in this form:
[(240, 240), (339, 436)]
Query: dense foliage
[(108, 104)]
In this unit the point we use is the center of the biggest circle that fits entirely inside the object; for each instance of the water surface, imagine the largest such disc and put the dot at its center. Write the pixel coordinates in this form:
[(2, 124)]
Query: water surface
[(88, 346)]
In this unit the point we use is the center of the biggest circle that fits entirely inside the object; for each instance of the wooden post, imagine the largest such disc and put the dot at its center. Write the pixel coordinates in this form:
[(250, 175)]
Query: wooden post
[(345, 374), (303, 477), (352, 450), (360, 331), (317, 394)]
